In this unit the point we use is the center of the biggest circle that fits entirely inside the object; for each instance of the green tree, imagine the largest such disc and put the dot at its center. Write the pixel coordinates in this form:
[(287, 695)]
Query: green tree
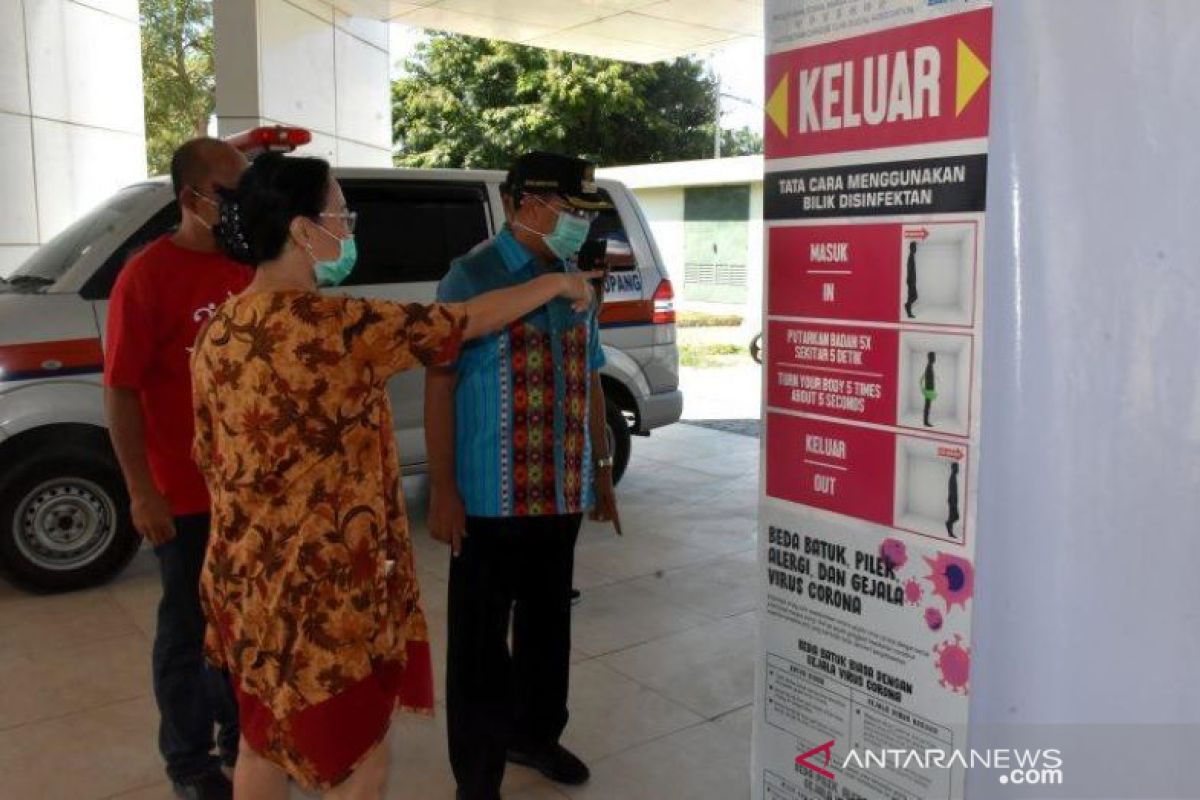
[(467, 102), (741, 142), (177, 70)]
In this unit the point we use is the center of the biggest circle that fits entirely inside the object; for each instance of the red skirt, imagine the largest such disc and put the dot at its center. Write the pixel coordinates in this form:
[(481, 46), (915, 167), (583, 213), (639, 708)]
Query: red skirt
[(320, 746)]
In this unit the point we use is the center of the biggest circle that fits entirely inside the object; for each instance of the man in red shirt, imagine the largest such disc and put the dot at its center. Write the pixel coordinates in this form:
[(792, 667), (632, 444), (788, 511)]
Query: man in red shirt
[(161, 299)]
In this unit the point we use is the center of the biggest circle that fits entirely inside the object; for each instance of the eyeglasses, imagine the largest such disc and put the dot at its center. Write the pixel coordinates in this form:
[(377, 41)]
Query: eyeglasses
[(215, 203), (578, 213), (348, 218)]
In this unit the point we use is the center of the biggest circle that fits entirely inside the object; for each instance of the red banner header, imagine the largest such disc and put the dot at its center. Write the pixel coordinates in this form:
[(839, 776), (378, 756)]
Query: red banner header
[(921, 83)]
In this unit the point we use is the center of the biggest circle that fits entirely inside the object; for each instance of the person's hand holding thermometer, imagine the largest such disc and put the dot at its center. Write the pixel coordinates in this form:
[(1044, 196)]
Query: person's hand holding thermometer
[(593, 258)]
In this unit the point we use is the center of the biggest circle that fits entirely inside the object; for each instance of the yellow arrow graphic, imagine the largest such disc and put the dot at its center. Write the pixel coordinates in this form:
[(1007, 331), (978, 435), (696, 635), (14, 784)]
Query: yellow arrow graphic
[(777, 106), (972, 74)]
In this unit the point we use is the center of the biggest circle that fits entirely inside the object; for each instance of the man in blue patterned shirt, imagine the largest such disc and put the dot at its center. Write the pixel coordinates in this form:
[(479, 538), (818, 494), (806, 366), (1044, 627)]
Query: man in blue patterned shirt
[(518, 452)]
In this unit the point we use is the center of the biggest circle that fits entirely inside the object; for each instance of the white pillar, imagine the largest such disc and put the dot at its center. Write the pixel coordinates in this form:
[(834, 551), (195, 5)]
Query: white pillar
[(71, 118), (1087, 615), (303, 63)]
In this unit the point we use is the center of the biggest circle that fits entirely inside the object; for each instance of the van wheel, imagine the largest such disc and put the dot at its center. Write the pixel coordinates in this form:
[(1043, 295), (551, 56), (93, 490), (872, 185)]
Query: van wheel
[(618, 439), (756, 348), (64, 519)]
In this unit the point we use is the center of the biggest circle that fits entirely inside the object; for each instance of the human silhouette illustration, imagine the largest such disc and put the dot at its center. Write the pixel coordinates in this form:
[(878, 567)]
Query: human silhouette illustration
[(929, 387), (952, 501), (910, 279)]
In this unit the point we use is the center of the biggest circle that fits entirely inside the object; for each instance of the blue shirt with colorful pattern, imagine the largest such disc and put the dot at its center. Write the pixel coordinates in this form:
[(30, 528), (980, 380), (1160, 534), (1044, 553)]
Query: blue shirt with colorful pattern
[(522, 445)]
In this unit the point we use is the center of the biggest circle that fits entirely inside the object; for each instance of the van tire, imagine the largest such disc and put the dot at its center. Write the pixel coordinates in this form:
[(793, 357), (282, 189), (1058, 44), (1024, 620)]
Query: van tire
[(619, 438), (64, 518)]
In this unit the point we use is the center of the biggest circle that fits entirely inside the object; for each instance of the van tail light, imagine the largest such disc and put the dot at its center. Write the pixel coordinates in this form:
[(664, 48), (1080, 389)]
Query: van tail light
[(664, 304), (658, 310), (275, 139)]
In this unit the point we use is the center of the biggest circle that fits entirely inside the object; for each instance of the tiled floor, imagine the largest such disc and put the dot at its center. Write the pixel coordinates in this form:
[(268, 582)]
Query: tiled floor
[(661, 687)]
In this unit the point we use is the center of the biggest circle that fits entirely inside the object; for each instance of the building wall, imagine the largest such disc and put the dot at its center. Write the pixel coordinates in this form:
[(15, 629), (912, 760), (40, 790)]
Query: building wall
[(664, 209), (756, 265), (664, 212), (301, 62), (716, 224), (72, 127)]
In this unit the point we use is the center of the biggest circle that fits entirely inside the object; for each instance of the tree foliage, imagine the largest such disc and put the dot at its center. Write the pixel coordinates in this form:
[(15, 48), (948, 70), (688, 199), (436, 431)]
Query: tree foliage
[(468, 102), (741, 142), (177, 71)]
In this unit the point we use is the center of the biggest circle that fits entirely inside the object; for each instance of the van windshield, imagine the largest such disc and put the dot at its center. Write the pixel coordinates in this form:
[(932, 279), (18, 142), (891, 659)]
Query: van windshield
[(53, 260)]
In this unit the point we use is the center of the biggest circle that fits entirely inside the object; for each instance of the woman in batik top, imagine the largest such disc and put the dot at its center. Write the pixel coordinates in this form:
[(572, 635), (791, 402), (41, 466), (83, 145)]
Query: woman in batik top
[(309, 585)]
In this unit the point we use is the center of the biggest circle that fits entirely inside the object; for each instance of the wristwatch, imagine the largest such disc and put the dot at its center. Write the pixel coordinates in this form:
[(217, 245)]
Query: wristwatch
[(604, 463)]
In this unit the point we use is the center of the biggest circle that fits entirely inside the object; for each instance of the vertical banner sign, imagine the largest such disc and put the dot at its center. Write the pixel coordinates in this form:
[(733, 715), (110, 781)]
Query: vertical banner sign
[(874, 199)]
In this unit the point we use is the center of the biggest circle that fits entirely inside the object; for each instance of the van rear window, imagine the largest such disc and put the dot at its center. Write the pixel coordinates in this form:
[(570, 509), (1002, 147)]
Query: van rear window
[(409, 232)]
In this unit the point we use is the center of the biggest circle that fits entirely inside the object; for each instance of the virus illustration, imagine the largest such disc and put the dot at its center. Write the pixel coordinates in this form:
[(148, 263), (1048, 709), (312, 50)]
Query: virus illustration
[(913, 593), (894, 553), (953, 579), (933, 618), (954, 664)]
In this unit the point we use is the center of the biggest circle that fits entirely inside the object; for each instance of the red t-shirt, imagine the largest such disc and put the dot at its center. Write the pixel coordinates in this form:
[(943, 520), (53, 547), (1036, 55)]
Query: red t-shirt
[(162, 297)]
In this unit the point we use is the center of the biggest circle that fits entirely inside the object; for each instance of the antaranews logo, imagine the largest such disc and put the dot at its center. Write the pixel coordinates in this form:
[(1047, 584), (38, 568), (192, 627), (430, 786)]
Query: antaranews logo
[(1022, 767), (802, 760)]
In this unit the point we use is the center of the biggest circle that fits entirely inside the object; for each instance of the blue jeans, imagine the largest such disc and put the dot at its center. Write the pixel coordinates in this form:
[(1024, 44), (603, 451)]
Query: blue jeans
[(191, 695)]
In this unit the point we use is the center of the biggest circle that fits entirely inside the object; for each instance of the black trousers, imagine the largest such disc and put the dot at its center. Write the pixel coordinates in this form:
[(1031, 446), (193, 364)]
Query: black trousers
[(518, 570), (191, 695)]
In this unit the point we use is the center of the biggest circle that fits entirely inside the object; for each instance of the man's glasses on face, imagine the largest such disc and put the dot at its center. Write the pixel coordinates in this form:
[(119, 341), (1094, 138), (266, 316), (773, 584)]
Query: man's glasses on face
[(348, 218), (208, 197)]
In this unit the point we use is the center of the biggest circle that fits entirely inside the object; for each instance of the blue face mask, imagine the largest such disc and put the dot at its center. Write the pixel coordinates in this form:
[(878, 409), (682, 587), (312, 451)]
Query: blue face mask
[(333, 272), (568, 236)]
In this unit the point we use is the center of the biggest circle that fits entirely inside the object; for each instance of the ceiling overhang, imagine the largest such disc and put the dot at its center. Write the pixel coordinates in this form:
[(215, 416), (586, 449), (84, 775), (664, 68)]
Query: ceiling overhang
[(643, 31)]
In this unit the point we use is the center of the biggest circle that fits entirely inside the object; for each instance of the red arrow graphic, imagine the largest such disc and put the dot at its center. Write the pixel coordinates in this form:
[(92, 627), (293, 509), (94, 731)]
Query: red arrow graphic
[(827, 749)]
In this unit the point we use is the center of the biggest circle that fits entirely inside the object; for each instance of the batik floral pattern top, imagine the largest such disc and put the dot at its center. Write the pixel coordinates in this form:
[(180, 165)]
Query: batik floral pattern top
[(309, 579)]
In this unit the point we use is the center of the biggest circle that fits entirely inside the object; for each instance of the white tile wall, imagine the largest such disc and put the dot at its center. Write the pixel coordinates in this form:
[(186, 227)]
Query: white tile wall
[(322, 146), (18, 212), (228, 126), (235, 50), (78, 168), (121, 8), (353, 154), (11, 257), (363, 92), (14, 79), (301, 68), (372, 31), (84, 65), (398, 7), (318, 8), (296, 57)]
